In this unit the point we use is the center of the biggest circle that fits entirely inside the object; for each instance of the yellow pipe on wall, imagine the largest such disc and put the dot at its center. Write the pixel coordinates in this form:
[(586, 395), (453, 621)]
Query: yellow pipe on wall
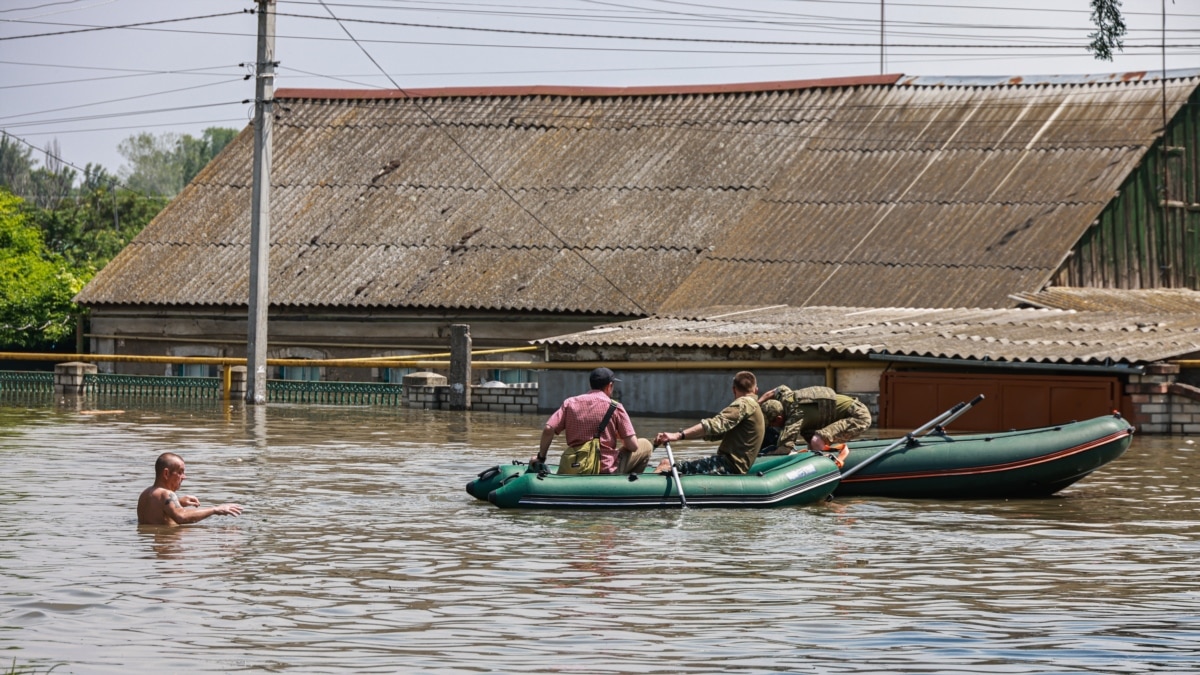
[(667, 365)]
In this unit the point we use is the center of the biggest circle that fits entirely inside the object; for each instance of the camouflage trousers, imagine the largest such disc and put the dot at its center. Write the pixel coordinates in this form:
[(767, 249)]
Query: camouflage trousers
[(714, 464)]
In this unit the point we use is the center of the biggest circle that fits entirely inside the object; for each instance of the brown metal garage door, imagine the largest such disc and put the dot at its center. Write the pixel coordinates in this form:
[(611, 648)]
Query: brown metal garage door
[(908, 400)]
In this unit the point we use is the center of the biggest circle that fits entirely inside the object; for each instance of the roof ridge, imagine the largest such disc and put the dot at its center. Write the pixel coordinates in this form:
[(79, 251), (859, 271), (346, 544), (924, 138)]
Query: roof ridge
[(582, 91)]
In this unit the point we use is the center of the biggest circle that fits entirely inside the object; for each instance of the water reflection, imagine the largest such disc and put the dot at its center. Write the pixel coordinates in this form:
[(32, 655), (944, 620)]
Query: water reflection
[(359, 551)]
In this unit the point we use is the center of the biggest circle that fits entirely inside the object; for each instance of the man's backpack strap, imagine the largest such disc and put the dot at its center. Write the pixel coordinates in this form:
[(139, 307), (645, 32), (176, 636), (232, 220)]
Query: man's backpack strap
[(612, 406)]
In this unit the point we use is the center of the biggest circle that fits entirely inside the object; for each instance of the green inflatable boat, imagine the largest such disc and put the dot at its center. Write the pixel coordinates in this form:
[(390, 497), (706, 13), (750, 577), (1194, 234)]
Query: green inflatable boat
[(774, 481), (1027, 463), (934, 465)]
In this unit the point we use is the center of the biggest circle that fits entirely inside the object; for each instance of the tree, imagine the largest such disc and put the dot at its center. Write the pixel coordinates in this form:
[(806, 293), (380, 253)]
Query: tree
[(153, 167), (1110, 28), (53, 181), (85, 226), (164, 164), (91, 228), (36, 286), (195, 154), (16, 163)]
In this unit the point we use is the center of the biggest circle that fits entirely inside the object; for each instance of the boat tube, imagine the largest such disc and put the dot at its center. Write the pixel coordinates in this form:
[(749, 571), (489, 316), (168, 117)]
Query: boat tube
[(777, 481)]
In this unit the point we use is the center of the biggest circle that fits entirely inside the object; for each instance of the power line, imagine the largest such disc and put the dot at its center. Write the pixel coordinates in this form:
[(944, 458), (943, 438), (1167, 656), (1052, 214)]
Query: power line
[(123, 114), (688, 40), (118, 100), (90, 29), (492, 178), (56, 158), (599, 36)]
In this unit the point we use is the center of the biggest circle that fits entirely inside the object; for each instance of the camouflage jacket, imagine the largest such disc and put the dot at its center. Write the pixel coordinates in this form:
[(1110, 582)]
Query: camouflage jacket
[(819, 411), (740, 428)]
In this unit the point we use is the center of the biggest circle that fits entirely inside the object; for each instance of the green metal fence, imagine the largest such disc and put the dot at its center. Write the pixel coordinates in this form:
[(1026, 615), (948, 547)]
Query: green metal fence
[(158, 386), (351, 393), (26, 382), (198, 388)]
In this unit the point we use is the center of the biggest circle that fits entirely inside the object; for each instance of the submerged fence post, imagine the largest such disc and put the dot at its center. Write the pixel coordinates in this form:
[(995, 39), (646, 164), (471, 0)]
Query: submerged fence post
[(234, 382), (460, 366), (68, 377)]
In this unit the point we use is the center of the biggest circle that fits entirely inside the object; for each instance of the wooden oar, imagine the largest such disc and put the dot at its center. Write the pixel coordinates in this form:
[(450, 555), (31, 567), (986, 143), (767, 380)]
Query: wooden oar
[(943, 419), (675, 473)]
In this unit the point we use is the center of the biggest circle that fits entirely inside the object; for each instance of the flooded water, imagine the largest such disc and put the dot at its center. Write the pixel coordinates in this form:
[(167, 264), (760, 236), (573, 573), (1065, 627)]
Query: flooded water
[(359, 551)]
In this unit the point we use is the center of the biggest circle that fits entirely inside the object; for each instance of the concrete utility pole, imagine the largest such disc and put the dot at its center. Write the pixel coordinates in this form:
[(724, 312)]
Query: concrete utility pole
[(460, 366), (260, 215)]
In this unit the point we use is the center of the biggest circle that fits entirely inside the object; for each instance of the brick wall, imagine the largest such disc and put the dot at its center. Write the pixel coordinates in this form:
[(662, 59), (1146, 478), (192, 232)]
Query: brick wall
[(515, 398), (1160, 404)]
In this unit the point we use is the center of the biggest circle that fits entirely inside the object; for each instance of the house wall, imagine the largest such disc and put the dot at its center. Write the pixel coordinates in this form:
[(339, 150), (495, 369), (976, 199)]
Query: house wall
[(179, 331), (1135, 242), (666, 393)]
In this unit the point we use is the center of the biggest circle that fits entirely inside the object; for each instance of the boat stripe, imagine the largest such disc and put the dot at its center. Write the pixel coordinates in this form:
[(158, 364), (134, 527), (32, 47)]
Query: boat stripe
[(673, 500), (993, 468)]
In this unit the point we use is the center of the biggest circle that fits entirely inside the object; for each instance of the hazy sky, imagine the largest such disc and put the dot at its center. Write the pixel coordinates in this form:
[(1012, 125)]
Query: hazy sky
[(90, 73)]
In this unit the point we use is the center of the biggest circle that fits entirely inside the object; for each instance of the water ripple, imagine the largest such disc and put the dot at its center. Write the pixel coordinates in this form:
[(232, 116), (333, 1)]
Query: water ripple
[(359, 551)]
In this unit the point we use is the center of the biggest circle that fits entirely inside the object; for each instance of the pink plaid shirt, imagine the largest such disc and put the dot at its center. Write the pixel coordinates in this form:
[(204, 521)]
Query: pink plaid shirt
[(580, 415)]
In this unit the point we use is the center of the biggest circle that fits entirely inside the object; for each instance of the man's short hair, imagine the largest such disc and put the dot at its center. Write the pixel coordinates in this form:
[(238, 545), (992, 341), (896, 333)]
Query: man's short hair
[(601, 378), (745, 381), (167, 460)]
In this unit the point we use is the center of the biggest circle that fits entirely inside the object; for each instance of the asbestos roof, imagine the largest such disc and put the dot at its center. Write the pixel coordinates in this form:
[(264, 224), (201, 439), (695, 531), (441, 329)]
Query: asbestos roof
[(1008, 335), (1145, 301), (875, 191)]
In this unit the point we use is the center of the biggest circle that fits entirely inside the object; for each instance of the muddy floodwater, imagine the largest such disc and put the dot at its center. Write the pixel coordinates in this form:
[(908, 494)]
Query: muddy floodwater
[(360, 552)]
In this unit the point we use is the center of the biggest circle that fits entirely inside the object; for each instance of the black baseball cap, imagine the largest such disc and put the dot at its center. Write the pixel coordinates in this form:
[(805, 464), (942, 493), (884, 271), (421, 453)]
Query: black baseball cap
[(601, 377)]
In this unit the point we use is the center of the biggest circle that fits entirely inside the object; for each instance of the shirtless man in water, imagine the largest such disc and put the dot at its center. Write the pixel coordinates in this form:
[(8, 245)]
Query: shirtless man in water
[(159, 505)]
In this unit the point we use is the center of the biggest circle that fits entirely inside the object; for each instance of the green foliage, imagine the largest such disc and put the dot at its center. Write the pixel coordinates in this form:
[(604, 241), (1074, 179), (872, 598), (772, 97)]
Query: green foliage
[(90, 223), (163, 165), (91, 228), (36, 285), (16, 165), (195, 154), (55, 235), (152, 166), (1110, 28), (41, 186)]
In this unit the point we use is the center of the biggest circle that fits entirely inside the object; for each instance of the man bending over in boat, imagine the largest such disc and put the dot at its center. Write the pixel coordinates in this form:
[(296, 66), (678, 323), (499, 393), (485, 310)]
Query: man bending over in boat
[(581, 415), (740, 428), (817, 416), (159, 505)]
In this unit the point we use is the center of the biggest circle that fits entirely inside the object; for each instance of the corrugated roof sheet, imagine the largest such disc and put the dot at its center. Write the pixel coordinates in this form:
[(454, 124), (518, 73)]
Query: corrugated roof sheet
[(630, 202), (1145, 301), (1014, 335)]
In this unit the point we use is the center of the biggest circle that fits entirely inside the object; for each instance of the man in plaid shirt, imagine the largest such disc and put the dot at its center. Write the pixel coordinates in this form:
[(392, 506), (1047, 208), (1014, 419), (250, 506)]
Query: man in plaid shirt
[(580, 416)]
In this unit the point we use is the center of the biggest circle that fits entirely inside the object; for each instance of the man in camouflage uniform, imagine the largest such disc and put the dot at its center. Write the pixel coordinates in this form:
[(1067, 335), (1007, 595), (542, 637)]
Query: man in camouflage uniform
[(818, 416), (740, 428)]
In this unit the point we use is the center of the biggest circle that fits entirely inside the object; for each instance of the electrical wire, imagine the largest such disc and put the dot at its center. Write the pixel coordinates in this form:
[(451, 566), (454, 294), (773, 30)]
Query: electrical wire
[(491, 177)]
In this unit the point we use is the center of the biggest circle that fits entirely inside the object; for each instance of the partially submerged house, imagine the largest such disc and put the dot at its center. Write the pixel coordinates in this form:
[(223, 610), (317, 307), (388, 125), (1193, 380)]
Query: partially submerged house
[(1035, 366), (537, 212)]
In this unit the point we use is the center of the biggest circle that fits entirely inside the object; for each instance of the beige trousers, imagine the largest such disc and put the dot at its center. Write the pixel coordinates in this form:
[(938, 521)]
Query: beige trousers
[(635, 462)]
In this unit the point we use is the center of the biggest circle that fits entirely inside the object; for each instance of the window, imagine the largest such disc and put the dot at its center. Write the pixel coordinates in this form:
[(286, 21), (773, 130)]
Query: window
[(510, 376), (194, 370), (300, 373)]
